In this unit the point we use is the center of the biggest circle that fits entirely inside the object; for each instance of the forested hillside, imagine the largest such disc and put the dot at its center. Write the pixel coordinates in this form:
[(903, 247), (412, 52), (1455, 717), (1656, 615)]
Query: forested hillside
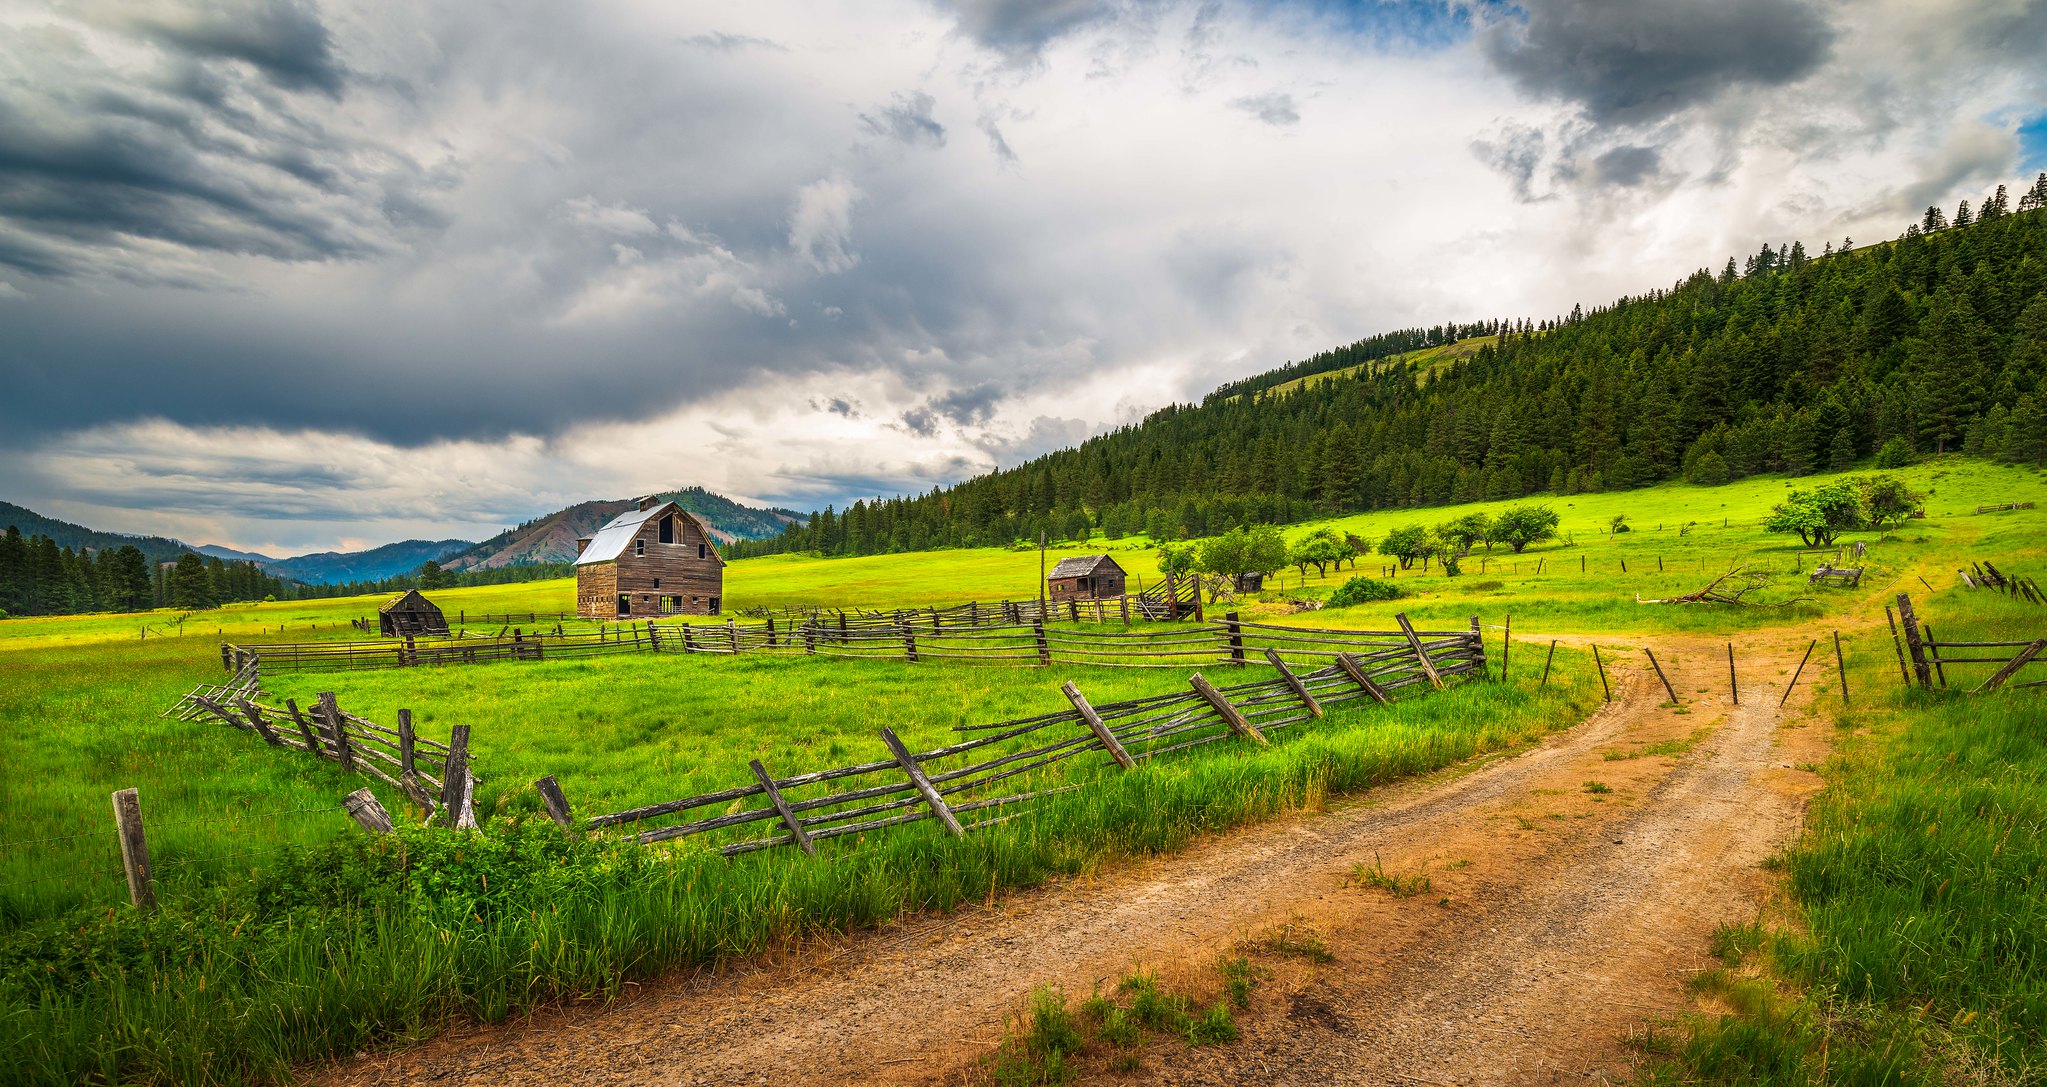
[(1791, 361)]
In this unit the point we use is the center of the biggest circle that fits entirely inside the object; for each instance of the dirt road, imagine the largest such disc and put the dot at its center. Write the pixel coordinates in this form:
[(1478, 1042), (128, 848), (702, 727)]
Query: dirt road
[(1560, 915)]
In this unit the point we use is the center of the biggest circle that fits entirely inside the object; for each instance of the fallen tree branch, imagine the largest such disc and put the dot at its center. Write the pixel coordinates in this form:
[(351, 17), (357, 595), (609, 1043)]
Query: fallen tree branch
[(1732, 587)]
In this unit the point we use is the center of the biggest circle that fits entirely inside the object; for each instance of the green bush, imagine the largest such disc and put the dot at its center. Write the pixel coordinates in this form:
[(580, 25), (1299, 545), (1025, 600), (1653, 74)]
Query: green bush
[(1896, 453), (1360, 590)]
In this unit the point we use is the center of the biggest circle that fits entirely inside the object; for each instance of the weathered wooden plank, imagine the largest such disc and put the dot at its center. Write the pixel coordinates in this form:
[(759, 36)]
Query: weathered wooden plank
[(455, 778), (1914, 644), (263, 728), (2011, 668), (1357, 675), (1667, 689), (557, 804), (1094, 722), (789, 819), (363, 807), (134, 849), (305, 727), (336, 730), (1422, 655), (1231, 715), (1293, 682), (923, 784)]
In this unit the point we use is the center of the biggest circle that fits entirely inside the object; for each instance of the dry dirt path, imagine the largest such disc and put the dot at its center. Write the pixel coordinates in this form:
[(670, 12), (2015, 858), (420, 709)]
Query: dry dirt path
[(1559, 918)]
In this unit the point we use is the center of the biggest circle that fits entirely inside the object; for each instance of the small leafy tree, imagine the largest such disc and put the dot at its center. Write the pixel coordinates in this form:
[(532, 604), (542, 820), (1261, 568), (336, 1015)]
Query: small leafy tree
[(1618, 525), (1176, 560), (1408, 544), (1520, 526), (1819, 514), (1259, 549), (1319, 549), (1466, 532), (1887, 502), (1896, 453)]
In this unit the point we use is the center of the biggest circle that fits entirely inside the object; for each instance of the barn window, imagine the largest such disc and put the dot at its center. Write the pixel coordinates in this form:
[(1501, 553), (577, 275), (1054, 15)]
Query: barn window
[(639, 548), (657, 582), (700, 550), (668, 529)]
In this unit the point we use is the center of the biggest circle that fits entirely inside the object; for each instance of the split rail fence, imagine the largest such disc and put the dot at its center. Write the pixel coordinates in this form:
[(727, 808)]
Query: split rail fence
[(912, 637), (957, 784), (1923, 661)]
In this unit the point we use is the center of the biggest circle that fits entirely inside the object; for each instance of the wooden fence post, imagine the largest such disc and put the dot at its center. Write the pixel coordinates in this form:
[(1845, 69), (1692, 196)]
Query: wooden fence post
[(1793, 685), (262, 727), (1044, 647), (1357, 675), (1913, 644), (1414, 641), (557, 804), (1094, 723), (1293, 682), (789, 818), (226, 658), (1601, 665), (1667, 689), (1546, 662), (337, 733), (368, 814), (406, 742), (1841, 663), (1232, 716), (455, 797), (1933, 654), (810, 636), (134, 849), (1733, 685), (1236, 637), (1898, 646), (1506, 644), (305, 729), (922, 783), (1478, 646), (771, 632), (909, 643)]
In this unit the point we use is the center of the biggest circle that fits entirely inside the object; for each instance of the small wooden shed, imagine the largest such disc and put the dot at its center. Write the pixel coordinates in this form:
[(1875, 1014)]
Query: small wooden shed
[(410, 615), (1085, 577)]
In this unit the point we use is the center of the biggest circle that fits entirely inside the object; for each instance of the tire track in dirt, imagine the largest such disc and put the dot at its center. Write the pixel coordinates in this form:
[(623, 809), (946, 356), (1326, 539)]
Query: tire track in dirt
[(1558, 920)]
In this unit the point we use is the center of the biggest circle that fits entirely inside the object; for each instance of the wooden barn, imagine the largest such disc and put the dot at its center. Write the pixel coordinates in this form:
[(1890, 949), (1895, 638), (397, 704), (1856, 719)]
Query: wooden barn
[(657, 559), (411, 615), (1085, 577)]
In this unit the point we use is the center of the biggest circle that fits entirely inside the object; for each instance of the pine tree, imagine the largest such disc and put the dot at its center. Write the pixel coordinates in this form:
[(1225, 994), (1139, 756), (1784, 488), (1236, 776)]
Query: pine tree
[(1934, 220), (1947, 372), (1962, 216), (190, 586)]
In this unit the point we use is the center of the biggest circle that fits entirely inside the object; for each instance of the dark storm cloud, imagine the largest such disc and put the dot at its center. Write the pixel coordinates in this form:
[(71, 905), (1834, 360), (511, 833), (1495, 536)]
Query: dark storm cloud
[(1022, 27), (205, 148), (1639, 62), (970, 406), (1626, 166), (285, 40), (1276, 109), (907, 118)]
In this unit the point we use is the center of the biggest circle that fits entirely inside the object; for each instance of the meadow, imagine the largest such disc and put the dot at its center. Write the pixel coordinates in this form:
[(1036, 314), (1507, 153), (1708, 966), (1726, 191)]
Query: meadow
[(273, 901)]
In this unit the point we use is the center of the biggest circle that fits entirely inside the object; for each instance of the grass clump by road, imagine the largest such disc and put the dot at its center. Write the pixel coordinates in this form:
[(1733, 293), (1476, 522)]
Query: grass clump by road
[(1054, 1043), (1920, 888)]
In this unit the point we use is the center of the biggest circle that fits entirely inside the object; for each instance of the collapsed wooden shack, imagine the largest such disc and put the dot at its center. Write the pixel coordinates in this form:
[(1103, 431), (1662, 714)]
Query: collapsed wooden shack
[(411, 615)]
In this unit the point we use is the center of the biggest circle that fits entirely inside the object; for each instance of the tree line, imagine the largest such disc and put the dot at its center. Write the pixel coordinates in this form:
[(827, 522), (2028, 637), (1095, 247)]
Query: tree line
[(1787, 361), (37, 577)]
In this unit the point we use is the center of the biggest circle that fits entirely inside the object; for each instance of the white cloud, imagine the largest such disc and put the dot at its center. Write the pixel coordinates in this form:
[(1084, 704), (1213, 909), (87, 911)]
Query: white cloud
[(821, 225)]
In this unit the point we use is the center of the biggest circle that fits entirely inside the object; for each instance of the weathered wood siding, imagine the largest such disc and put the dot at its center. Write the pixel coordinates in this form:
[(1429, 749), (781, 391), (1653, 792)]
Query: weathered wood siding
[(681, 578), (1106, 583)]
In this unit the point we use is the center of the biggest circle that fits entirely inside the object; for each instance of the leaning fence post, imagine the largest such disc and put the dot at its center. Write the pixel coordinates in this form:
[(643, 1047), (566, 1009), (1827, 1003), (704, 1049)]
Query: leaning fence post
[(406, 742), (1414, 641), (262, 727), (1546, 662), (455, 797), (789, 818), (1094, 724), (1913, 644), (1357, 675), (1733, 685), (1601, 665), (306, 730), (1841, 663), (922, 783), (1293, 682), (1231, 715), (337, 735), (368, 814), (1793, 685), (1897, 645), (134, 849), (1659, 675), (2012, 666)]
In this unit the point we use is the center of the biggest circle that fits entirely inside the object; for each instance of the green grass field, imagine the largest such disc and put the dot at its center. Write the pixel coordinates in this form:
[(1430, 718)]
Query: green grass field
[(276, 904)]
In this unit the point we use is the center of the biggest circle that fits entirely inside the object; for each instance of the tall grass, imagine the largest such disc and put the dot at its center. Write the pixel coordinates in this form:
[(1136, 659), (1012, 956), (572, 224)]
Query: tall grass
[(361, 942)]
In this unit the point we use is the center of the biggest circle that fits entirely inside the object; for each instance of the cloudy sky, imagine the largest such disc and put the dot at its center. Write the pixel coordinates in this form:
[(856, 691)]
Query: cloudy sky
[(290, 276)]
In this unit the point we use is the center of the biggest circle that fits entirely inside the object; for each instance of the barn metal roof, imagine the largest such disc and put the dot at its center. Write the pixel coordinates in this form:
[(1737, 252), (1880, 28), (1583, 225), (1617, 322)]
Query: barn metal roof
[(1081, 566), (612, 540)]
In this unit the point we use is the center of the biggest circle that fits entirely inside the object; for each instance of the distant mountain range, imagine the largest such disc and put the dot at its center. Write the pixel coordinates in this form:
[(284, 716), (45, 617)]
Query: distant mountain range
[(545, 539)]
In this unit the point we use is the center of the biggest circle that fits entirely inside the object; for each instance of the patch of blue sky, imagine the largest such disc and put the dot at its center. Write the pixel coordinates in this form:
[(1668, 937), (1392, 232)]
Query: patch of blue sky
[(1394, 24), (2033, 143)]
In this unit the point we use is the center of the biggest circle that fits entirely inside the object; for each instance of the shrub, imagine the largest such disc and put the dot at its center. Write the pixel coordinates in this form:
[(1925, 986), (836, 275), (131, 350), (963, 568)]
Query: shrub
[(1709, 471), (1896, 453), (1360, 590), (1519, 526)]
